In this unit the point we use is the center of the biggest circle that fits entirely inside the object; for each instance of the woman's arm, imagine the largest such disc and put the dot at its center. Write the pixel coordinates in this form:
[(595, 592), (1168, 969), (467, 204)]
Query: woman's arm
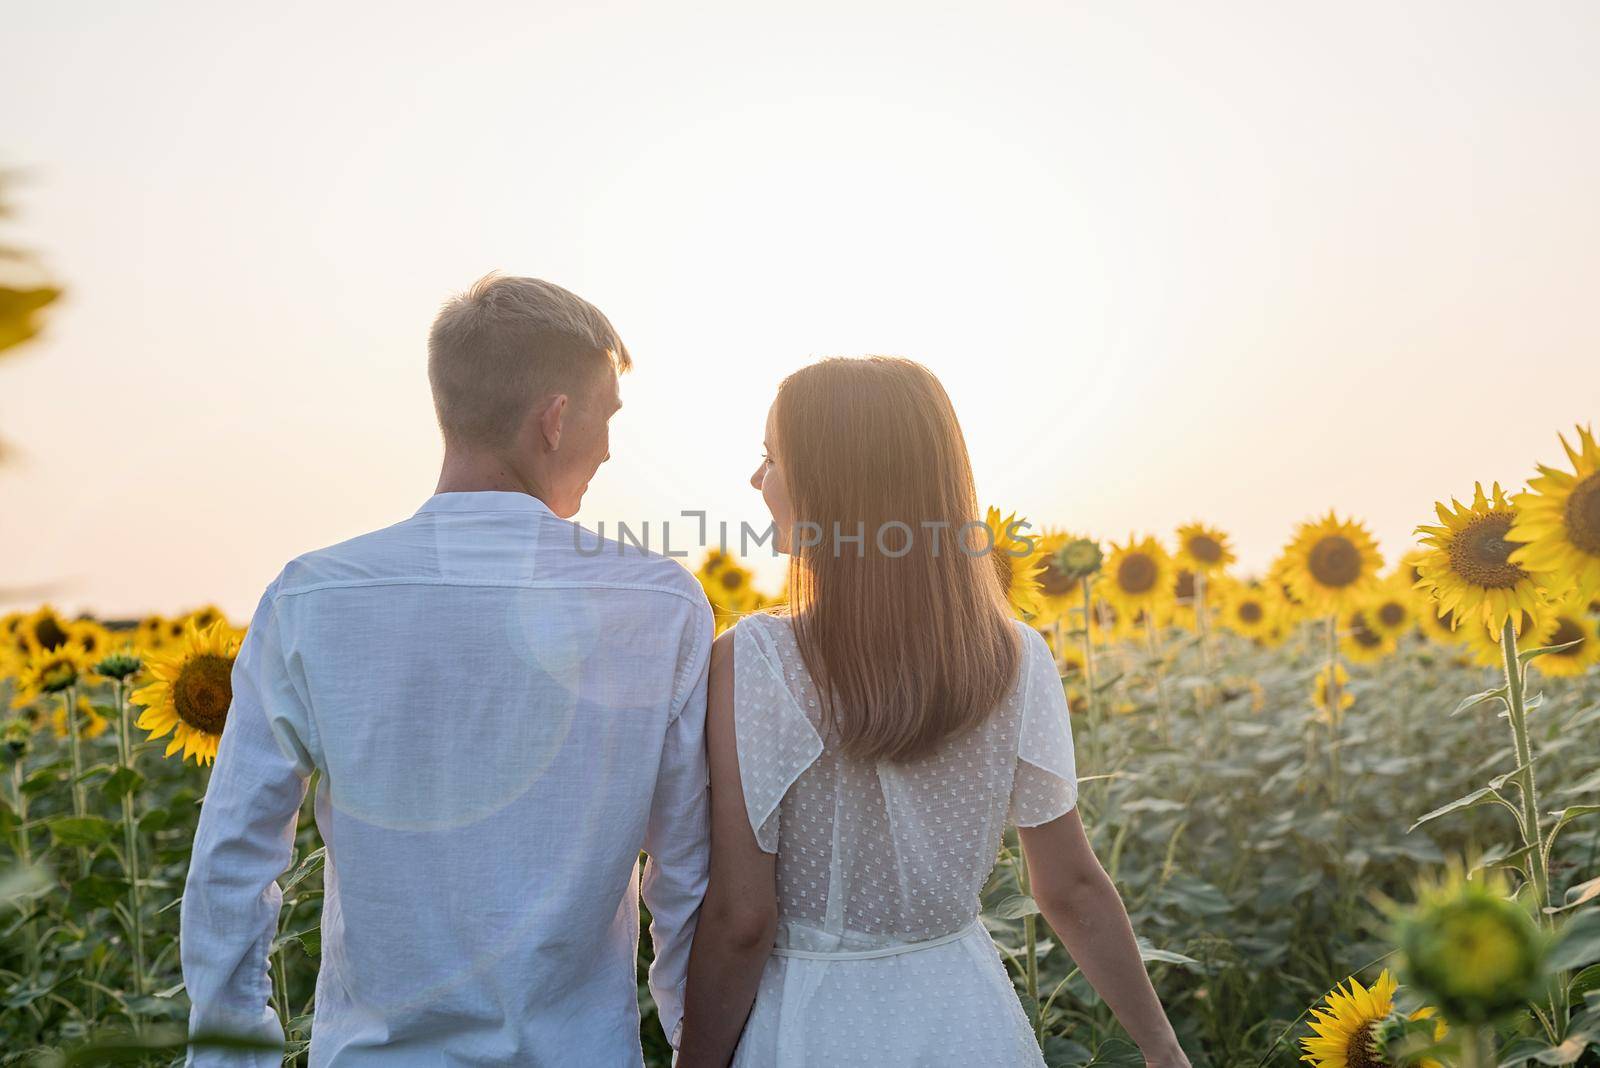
[(1084, 909), (740, 915)]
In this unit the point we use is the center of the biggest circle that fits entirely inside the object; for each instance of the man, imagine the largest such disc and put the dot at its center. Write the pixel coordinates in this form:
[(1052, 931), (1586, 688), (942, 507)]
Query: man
[(504, 709)]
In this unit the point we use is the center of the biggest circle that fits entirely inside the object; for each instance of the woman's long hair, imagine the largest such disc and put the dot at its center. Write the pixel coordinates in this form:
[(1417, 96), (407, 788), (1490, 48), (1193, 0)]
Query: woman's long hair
[(906, 631)]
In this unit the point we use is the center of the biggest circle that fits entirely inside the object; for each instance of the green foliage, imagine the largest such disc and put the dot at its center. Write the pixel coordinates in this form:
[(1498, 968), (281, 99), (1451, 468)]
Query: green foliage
[(1250, 889)]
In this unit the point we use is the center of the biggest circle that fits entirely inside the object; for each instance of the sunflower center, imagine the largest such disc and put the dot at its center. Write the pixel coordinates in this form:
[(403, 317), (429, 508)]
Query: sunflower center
[(1053, 581), (58, 676), (49, 634), (1363, 1051), (203, 691), (1186, 585), (1335, 561), (1391, 614), (1583, 515), (1250, 612), (1362, 634), (1204, 549), (1567, 631), (1136, 574), (1478, 553), (732, 580)]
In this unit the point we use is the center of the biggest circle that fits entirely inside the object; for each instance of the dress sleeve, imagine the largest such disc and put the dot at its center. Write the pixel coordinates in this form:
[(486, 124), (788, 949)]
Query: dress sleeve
[(1046, 782), (775, 738)]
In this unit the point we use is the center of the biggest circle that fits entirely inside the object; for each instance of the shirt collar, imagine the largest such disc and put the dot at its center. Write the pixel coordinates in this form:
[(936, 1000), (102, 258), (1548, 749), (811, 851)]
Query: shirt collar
[(484, 501)]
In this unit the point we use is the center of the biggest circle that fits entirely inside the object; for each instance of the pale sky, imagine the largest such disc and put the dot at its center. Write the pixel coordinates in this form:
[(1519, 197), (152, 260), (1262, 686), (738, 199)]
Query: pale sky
[(1241, 262)]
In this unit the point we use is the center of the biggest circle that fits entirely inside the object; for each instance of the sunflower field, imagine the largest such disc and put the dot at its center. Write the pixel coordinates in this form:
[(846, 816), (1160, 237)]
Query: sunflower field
[(1352, 804)]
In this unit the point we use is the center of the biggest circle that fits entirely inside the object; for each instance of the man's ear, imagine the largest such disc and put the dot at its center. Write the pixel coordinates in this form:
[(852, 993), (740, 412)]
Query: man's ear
[(550, 420)]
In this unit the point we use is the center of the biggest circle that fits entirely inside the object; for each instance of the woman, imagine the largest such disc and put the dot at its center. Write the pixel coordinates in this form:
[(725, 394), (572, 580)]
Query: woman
[(867, 750)]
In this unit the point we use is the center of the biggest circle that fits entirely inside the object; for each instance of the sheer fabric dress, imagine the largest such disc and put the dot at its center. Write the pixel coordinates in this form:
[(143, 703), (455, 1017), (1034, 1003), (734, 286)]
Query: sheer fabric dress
[(880, 958)]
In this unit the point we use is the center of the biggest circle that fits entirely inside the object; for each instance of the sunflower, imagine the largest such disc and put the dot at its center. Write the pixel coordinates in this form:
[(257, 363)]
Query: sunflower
[(192, 691), (1249, 609), (1346, 1029), (44, 629), (1438, 625), (1319, 692), (1059, 588), (1533, 629), (1572, 624), (1361, 642), (1332, 564), (94, 640), (150, 634), (1203, 549), (91, 724), (1470, 944), (1140, 576), (1557, 523), (50, 671), (1393, 607), (1409, 570), (1467, 566), (1016, 563)]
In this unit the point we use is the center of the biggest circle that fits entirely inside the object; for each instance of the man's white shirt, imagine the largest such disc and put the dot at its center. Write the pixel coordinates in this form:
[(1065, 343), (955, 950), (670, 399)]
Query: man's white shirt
[(504, 709)]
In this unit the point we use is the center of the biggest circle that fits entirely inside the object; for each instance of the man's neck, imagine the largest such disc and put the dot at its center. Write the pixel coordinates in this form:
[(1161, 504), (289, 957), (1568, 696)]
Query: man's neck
[(471, 472)]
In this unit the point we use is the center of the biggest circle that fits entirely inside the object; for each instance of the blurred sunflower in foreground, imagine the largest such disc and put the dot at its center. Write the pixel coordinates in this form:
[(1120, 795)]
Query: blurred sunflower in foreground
[(1469, 945), (191, 691)]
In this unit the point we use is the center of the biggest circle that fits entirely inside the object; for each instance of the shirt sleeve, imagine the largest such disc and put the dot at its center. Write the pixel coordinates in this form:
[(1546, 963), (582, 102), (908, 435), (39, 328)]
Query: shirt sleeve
[(776, 741), (1046, 782), (678, 837), (243, 843)]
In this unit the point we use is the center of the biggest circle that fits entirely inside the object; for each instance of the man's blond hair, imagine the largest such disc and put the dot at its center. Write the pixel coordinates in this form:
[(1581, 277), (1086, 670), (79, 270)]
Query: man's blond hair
[(506, 342)]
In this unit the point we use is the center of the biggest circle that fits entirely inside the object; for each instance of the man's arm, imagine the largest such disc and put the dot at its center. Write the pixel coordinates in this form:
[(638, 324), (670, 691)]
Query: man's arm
[(677, 839), (243, 843)]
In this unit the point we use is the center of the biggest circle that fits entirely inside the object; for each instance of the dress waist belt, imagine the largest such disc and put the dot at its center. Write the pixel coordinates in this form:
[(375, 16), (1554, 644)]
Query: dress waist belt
[(881, 951)]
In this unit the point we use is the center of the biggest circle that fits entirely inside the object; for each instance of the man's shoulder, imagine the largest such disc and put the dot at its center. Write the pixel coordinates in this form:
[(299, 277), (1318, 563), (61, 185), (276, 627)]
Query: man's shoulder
[(607, 561), (366, 557)]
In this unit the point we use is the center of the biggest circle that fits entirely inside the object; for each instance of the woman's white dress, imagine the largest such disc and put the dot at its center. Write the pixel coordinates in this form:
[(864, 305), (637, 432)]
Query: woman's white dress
[(880, 958)]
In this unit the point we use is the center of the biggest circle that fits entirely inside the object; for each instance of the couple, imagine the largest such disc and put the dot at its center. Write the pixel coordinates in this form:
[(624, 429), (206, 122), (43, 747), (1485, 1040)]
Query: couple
[(504, 717)]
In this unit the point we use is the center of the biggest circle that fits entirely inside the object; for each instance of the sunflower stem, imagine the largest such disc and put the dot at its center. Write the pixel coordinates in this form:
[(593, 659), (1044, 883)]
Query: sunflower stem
[(1088, 667), (1335, 706), (130, 830), (1030, 938), (25, 855), (1537, 867), (69, 698), (1161, 679), (1472, 1052)]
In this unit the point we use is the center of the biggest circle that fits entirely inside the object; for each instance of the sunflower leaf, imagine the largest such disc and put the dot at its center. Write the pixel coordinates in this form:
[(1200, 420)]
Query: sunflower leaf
[(1479, 698), (1482, 796), (1016, 907), (1528, 654), (311, 863), (1578, 944), (1504, 777), (1564, 817), (121, 783), (1582, 983), (80, 830)]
